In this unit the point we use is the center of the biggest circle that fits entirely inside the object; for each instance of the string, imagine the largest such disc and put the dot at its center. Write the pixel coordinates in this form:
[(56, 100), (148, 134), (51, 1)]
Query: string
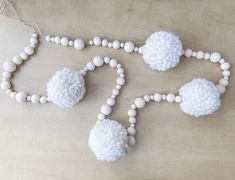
[(5, 4)]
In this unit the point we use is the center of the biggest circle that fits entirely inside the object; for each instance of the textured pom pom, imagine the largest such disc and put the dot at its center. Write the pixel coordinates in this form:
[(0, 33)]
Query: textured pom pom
[(66, 88), (108, 140), (199, 97), (162, 50)]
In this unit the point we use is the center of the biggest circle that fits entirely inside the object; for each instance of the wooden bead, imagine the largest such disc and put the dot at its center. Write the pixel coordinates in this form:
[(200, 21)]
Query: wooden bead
[(35, 98), (105, 109), (79, 44), (64, 41), (113, 63), (129, 47), (29, 50), (131, 131), (170, 97), (139, 102), (21, 97), (90, 66), (98, 61), (188, 53), (215, 57), (17, 60), (9, 66)]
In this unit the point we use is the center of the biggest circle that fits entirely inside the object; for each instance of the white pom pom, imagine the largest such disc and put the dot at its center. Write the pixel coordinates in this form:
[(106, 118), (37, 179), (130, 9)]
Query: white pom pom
[(108, 140), (162, 50), (199, 97), (66, 87)]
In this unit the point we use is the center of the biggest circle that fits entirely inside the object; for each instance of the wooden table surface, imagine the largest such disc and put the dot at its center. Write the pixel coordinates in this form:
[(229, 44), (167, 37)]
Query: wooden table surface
[(45, 142)]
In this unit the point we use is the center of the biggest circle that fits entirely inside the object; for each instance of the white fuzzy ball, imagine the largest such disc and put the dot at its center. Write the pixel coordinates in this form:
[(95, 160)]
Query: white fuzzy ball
[(66, 87), (108, 140), (199, 97), (162, 50)]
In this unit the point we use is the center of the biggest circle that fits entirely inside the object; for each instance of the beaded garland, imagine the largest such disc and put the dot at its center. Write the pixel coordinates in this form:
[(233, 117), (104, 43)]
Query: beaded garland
[(108, 139)]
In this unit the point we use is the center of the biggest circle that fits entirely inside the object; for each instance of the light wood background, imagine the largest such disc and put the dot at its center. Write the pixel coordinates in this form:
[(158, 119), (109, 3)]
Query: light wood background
[(45, 142)]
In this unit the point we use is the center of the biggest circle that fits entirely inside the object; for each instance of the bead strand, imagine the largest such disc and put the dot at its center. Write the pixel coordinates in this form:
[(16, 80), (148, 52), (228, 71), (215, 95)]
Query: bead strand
[(11, 66), (79, 44), (99, 61), (214, 57), (140, 103)]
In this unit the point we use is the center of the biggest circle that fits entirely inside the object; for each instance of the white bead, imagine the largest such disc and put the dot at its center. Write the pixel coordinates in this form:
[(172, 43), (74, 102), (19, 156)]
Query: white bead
[(132, 112), (140, 50), (100, 116), (116, 44), (8, 92), (131, 131), (6, 74), (221, 88), (105, 109), (9, 66), (21, 97), (207, 55), (157, 97), (90, 66), (79, 44), (48, 38), (90, 42), (163, 97), (35, 98), (131, 140), (35, 34), (57, 40), (52, 39), (119, 66), (224, 82), (110, 101), (194, 54), (13, 95), (28, 98), (215, 57), (132, 120), (115, 92), (136, 49), (178, 99), (5, 85), (17, 60), (200, 55), (133, 106), (222, 61), (226, 73), (106, 60), (122, 45), (110, 44), (98, 61), (105, 42), (97, 41), (225, 66), (113, 63), (24, 55), (188, 53), (29, 50), (120, 81), (129, 47), (43, 99), (118, 86), (147, 98), (170, 97), (33, 40), (120, 71), (71, 43), (64, 41), (139, 102)]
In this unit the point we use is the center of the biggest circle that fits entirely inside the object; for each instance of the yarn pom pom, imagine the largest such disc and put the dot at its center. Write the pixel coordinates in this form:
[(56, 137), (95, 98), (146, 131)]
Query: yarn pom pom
[(108, 140), (162, 50), (66, 88), (199, 97)]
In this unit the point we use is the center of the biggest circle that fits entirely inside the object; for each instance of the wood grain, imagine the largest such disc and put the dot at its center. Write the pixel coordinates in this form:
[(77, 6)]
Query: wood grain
[(44, 142)]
